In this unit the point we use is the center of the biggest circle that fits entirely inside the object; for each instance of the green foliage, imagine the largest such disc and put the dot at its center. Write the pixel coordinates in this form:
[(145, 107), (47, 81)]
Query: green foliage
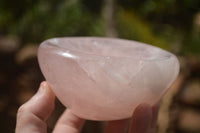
[(168, 23), (130, 26), (192, 43), (68, 20), (48, 19), (162, 22), (175, 13)]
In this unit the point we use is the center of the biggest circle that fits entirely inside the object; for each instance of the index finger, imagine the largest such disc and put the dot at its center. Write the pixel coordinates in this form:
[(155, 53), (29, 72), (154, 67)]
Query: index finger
[(31, 116)]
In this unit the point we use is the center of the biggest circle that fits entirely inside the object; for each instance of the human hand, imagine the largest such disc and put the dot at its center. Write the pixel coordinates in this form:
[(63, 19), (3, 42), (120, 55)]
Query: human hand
[(32, 115)]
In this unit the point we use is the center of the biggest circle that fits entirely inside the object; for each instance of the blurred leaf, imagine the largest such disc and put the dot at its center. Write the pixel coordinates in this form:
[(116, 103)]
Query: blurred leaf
[(50, 19), (192, 44), (130, 26)]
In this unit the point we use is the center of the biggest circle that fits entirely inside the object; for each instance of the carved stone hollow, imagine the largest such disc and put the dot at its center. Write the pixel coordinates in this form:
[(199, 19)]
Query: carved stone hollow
[(105, 78)]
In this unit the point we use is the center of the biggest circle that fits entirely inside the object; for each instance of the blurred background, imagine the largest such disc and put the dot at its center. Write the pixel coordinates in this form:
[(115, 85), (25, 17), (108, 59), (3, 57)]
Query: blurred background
[(173, 25)]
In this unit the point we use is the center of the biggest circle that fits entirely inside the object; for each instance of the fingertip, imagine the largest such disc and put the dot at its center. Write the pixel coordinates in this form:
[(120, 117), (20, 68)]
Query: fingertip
[(142, 108), (44, 83), (155, 110), (141, 119), (44, 87)]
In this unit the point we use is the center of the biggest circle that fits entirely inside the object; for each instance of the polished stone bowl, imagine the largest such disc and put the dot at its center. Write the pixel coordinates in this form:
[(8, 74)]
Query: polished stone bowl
[(106, 78)]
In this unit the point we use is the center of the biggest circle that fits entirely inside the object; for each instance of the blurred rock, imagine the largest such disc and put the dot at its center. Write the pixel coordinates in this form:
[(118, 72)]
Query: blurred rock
[(29, 51), (2, 78), (9, 44), (164, 116), (193, 63), (197, 20), (24, 96), (183, 65), (191, 93), (3, 103), (30, 76), (189, 121)]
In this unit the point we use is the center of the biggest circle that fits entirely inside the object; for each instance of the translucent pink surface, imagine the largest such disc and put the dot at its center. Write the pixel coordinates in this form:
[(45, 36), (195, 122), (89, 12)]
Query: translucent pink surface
[(104, 78)]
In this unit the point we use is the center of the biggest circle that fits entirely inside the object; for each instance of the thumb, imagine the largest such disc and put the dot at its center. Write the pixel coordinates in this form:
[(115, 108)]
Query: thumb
[(141, 119)]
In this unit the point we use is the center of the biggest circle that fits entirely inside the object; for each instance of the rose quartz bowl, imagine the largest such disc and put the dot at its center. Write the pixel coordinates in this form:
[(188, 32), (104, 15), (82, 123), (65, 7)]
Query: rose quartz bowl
[(104, 78)]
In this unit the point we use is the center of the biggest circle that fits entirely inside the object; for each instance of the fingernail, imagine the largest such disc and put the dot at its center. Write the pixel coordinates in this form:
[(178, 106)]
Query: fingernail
[(141, 120), (44, 84), (42, 87), (45, 89)]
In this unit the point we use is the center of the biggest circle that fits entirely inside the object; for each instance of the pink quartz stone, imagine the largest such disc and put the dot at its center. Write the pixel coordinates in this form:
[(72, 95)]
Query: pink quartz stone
[(104, 78)]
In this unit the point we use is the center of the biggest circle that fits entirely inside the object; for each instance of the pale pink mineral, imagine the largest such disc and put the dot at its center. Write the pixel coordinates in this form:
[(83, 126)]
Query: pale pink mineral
[(104, 78)]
